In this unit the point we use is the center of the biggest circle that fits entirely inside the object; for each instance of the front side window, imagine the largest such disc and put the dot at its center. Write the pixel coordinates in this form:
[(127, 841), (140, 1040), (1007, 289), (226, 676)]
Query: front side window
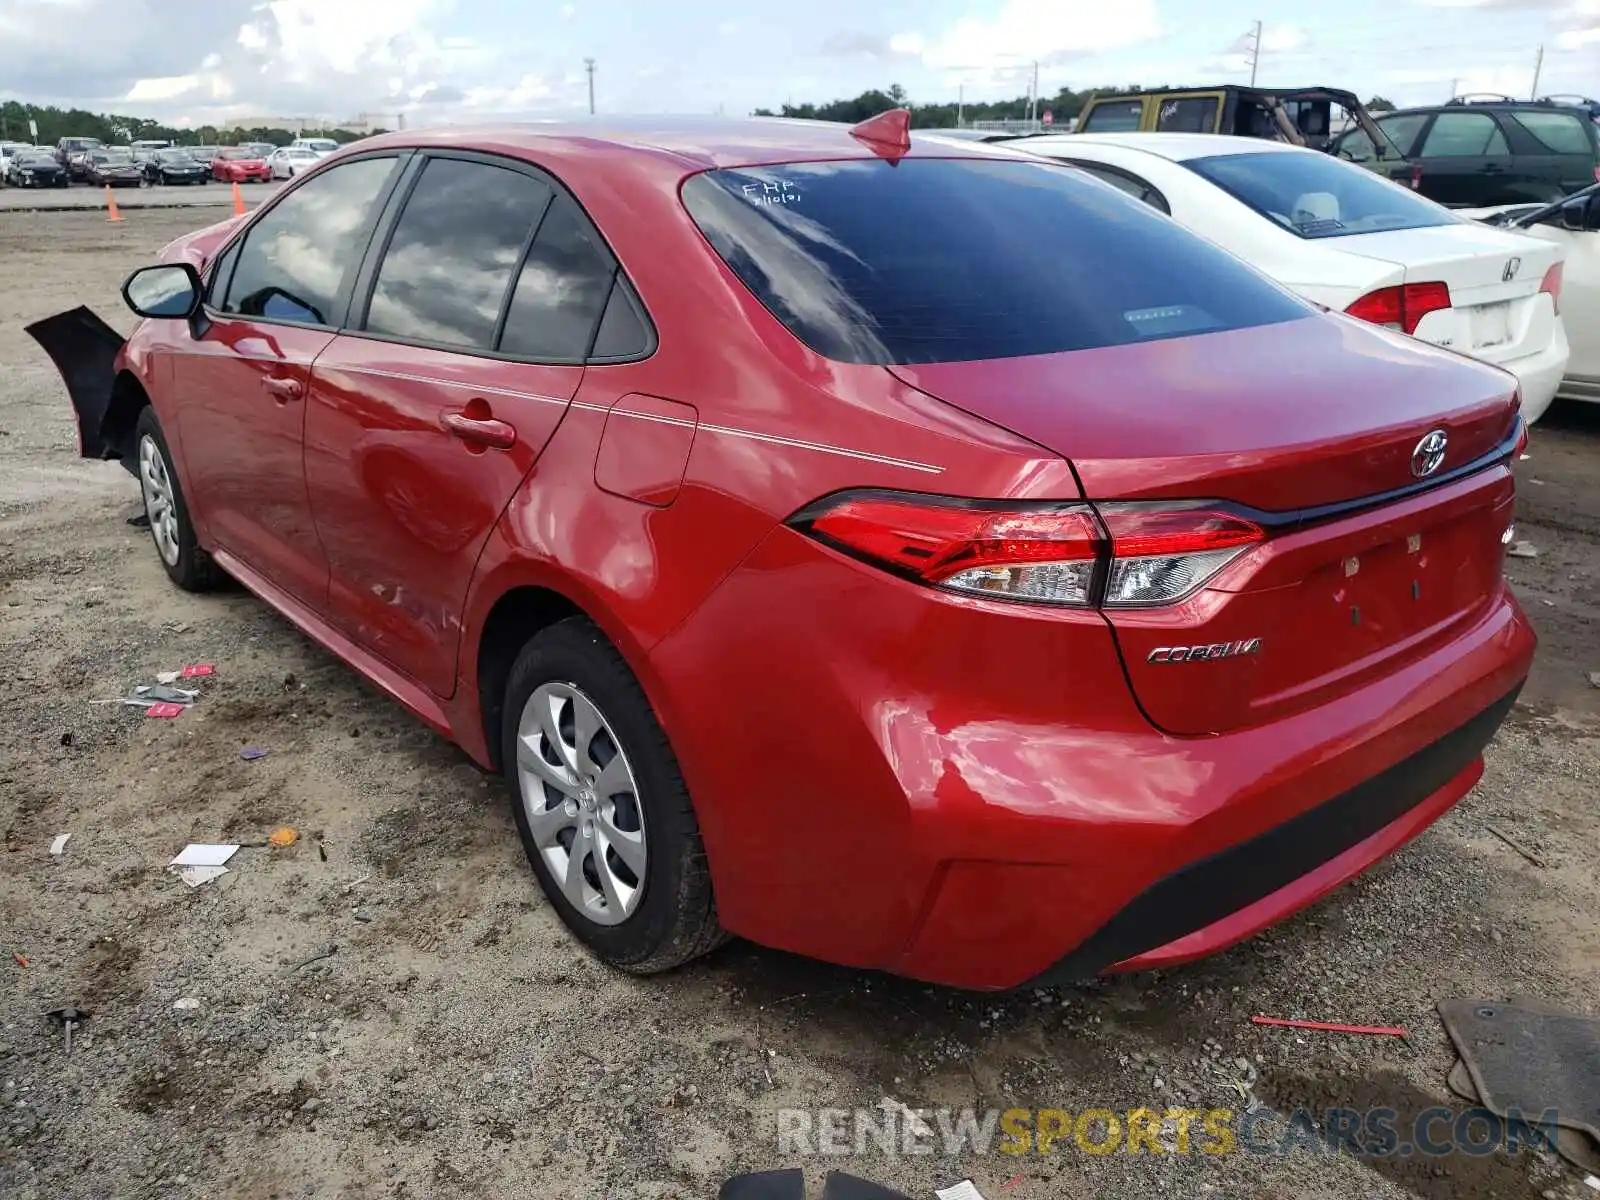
[(1316, 196), (948, 260), (297, 258), (454, 251), (1463, 135)]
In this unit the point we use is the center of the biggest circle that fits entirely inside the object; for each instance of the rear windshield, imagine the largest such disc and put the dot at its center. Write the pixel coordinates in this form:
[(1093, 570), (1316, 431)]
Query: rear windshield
[(1317, 196), (950, 260)]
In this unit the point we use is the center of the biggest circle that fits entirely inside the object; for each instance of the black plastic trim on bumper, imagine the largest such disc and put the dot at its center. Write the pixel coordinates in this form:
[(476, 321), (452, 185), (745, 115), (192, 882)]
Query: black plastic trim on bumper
[(1206, 891)]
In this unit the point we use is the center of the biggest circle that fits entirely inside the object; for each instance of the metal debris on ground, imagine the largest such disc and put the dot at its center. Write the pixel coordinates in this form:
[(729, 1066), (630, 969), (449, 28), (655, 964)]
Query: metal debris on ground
[(1333, 1026), (162, 693), (251, 753), (69, 1017), (59, 843), (1515, 845), (1523, 550)]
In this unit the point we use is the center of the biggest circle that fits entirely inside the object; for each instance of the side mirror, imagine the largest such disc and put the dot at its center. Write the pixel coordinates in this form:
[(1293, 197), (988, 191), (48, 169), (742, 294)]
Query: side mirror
[(1582, 213), (168, 290)]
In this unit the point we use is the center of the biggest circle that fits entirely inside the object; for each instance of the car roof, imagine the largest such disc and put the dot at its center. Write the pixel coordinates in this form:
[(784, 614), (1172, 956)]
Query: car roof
[(1177, 147), (695, 143)]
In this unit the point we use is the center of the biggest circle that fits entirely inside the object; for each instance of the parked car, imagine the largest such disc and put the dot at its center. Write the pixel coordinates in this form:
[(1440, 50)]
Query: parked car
[(1342, 237), (34, 166), (984, 600), (1573, 224), (149, 144), (8, 151), (176, 166), (1299, 116), (234, 164), (72, 152), (203, 153), (321, 146), (289, 161), (1477, 152), (113, 166), (259, 149)]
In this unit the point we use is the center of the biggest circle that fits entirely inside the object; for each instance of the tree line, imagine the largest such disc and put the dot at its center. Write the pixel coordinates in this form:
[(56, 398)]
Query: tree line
[(1066, 104), (56, 123)]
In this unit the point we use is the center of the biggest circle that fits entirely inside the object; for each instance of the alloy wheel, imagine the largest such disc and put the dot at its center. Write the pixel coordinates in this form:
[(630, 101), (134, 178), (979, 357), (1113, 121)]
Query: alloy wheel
[(156, 485), (581, 799)]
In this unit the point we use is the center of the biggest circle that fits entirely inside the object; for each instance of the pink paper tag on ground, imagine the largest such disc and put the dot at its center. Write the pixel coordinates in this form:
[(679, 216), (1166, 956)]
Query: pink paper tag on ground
[(164, 710), (196, 670)]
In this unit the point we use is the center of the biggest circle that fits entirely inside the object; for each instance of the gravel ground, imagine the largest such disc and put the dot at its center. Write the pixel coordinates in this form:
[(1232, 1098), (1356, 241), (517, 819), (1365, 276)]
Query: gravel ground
[(456, 1043)]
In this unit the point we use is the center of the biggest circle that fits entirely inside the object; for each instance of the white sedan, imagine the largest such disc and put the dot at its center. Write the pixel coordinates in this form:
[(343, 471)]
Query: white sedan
[(1573, 223), (291, 160), (1342, 237)]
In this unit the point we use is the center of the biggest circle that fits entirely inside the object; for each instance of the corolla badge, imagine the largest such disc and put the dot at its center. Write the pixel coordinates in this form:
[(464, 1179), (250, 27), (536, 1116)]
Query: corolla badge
[(1429, 454), (1178, 654)]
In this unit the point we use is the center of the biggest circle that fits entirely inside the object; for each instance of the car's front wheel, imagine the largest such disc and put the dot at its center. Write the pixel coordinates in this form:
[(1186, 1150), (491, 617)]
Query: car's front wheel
[(187, 565), (601, 806)]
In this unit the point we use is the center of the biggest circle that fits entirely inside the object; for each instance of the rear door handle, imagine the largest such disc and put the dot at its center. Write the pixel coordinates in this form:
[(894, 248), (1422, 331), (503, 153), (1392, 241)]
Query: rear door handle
[(283, 390), (1492, 169), (476, 431)]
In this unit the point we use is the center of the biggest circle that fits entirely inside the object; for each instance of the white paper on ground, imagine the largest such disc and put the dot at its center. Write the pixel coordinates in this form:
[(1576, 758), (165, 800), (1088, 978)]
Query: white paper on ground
[(965, 1190), (198, 855), (167, 676), (195, 876), (59, 843)]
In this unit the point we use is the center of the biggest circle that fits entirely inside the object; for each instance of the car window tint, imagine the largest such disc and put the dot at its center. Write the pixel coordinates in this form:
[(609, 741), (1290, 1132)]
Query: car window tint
[(1462, 135), (217, 283), (445, 273), (1116, 116), (950, 260), (1558, 133), (623, 333), (562, 289), (1315, 195), (296, 257), (1190, 115), (1135, 187), (1402, 129)]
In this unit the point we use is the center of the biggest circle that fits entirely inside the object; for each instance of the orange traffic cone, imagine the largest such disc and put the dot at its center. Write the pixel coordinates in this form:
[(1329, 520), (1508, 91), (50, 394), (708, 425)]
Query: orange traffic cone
[(111, 206), (238, 201)]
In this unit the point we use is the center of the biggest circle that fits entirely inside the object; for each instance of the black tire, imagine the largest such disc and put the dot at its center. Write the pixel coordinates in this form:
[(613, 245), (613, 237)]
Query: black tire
[(193, 569), (676, 917)]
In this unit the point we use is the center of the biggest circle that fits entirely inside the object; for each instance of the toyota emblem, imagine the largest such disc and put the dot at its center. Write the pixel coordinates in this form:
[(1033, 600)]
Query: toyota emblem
[(1512, 267), (1429, 454)]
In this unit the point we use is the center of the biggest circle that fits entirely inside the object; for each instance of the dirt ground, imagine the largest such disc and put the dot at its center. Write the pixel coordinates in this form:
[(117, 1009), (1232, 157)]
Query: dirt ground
[(455, 1042)]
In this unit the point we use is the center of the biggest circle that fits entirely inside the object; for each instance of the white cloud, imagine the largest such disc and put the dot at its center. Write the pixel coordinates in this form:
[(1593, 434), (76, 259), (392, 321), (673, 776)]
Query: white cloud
[(156, 91), (1027, 30)]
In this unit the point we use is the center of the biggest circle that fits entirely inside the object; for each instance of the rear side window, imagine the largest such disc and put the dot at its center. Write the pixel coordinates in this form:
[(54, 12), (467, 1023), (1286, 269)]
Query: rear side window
[(445, 274), (297, 257), (1464, 135), (947, 260), (1114, 116), (1124, 181), (1192, 115), (561, 291), (1558, 133), (1315, 196)]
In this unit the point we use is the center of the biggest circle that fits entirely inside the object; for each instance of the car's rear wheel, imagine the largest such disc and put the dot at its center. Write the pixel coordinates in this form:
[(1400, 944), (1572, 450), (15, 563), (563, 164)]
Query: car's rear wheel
[(187, 565), (601, 806)]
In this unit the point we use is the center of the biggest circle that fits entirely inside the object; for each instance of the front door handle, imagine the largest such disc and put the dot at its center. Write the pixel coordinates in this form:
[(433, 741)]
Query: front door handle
[(283, 390), (1492, 169), (479, 431)]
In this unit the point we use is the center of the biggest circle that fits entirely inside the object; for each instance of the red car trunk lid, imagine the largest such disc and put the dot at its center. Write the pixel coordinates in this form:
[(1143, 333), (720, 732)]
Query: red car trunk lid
[(1286, 420)]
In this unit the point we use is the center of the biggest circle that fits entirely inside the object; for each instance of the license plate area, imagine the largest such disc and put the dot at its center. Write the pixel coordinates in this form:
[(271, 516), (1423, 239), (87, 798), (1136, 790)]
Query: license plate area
[(1491, 325)]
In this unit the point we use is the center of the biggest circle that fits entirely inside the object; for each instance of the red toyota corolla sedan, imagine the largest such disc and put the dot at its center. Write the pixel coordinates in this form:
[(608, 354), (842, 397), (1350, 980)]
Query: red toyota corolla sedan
[(914, 555), (234, 164)]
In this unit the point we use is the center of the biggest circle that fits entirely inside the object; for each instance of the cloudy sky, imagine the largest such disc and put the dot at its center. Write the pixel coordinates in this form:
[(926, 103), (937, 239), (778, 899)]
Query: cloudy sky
[(453, 60)]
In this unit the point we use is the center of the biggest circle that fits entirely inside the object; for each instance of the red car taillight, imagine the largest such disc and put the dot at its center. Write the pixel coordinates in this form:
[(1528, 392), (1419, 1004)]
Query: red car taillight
[(1401, 307), (1115, 555), (1552, 285)]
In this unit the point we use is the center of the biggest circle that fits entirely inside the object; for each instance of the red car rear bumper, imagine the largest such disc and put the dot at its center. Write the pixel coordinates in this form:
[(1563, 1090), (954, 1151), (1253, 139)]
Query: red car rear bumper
[(967, 793)]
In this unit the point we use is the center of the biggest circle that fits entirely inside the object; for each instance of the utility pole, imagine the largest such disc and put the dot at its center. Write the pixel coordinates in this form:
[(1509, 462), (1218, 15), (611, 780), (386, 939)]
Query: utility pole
[(1455, 88), (1033, 101), (588, 65), (1538, 66), (1255, 51), (961, 102)]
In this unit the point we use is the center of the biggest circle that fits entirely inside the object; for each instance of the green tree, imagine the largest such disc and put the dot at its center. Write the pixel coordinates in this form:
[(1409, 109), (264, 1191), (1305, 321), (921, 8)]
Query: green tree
[(1380, 104)]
